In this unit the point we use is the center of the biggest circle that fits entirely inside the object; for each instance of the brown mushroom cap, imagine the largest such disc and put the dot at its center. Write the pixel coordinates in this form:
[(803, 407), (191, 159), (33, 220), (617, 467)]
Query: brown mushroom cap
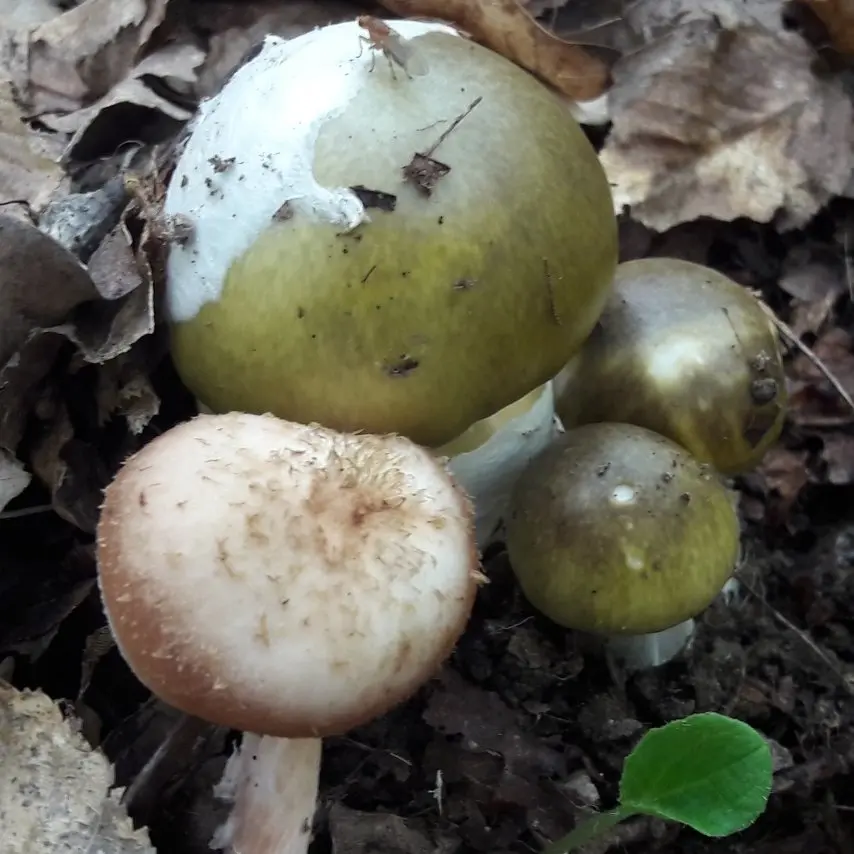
[(284, 579)]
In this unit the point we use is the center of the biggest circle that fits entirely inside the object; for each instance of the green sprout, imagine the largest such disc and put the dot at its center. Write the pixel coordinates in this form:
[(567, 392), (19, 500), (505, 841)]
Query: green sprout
[(707, 771)]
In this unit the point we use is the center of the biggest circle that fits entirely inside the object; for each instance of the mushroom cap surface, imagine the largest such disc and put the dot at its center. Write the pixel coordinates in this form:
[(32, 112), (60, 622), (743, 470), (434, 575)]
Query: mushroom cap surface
[(325, 283), (617, 530), (686, 351), (284, 579)]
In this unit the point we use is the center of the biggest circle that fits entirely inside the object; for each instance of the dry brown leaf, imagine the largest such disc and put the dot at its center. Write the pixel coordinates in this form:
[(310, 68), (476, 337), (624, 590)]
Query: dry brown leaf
[(810, 317), (835, 350), (726, 123), (124, 389), (46, 298), (107, 328), (22, 384), (14, 13), (55, 793), (651, 19), (813, 399), (73, 470), (785, 474), (96, 130), (815, 278), (78, 56), (838, 17), (505, 27), (110, 328), (40, 283), (29, 162)]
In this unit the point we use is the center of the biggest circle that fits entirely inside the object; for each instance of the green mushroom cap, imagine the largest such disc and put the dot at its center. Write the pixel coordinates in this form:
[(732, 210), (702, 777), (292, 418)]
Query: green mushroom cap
[(616, 530), (687, 352), (388, 252)]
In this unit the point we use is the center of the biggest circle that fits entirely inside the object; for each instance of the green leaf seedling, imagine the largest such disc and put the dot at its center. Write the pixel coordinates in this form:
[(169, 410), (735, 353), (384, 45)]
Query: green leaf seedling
[(707, 771)]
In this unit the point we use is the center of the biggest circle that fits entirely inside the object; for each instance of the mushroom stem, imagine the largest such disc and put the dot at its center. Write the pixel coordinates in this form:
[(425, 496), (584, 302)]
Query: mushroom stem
[(638, 652), (272, 783), (488, 458)]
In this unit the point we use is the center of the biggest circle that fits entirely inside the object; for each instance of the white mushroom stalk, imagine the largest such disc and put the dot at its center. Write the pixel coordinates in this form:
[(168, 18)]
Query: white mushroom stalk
[(272, 786), (288, 581), (489, 457), (640, 652)]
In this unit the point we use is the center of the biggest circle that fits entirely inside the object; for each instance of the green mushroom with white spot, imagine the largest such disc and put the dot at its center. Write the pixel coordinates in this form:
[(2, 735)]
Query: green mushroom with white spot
[(686, 351), (618, 532)]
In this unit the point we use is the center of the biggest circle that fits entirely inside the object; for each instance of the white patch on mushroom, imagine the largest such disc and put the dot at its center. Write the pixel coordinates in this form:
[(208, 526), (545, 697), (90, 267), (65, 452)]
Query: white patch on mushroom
[(623, 494), (668, 359), (634, 559), (240, 173)]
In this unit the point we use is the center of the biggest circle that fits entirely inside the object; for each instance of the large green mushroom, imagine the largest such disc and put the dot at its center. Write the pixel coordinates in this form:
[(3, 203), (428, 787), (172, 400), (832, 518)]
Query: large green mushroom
[(380, 246)]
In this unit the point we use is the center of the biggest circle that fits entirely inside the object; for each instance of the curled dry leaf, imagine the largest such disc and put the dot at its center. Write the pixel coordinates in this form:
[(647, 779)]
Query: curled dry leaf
[(80, 221), (726, 123), (100, 127), (48, 297), (785, 474), (40, 283), (71, 470), (23, 385), (816, 281), (124, 389), (54, 789), (78, 56), (505, 27)]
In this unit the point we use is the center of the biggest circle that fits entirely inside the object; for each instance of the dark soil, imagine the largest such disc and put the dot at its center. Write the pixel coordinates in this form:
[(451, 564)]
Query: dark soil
[(527, 726)]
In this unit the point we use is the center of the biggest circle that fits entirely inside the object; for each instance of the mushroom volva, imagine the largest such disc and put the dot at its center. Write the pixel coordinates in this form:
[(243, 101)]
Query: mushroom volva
[(401, 244)]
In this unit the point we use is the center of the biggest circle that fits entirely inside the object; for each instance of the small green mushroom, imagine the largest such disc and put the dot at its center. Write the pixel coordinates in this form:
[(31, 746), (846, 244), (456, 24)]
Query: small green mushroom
[(687, 352), (617, 531)]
